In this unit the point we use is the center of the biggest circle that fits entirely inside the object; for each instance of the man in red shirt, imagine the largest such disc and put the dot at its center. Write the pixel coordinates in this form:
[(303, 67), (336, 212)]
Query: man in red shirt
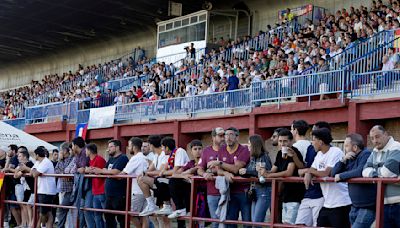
[(99, 199)]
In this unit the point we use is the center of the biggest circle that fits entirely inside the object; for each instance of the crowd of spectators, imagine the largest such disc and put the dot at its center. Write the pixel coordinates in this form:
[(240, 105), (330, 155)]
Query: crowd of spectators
[(162, 173), (234, 65)]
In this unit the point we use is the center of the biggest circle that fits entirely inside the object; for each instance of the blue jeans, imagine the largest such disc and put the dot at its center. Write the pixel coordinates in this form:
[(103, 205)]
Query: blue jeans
[(212, 202), (89, 216), (99, 202), (262, 204), (391, 216), (239, 202), (361, 217)]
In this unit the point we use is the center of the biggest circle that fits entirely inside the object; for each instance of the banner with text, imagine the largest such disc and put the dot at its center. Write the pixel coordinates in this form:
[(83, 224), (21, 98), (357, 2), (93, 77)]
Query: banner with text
[(298, 11), (101, 117)]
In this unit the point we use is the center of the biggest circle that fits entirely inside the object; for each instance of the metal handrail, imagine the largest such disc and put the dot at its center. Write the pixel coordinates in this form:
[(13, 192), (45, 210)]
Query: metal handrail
[(196, 180)]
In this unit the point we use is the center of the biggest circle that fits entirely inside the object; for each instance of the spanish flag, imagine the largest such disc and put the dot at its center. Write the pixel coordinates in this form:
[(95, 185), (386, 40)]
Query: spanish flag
[(1, 180)]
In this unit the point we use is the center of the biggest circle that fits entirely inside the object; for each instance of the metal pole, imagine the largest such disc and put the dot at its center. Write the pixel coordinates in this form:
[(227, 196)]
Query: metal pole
[(128, 202), (380, 195), (274, 202), (193, 194), (35, 211)]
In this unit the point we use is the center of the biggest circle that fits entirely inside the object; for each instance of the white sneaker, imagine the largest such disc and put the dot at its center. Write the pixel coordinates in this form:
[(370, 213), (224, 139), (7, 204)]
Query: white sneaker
[(177, 213), (148, 210), (166, 210)]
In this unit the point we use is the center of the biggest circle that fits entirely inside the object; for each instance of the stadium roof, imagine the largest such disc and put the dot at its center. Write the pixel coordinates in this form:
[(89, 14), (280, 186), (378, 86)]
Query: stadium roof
[(31, 28)]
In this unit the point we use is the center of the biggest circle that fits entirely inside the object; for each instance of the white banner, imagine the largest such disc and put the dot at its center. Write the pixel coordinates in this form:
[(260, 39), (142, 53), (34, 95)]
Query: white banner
[(101, 117)]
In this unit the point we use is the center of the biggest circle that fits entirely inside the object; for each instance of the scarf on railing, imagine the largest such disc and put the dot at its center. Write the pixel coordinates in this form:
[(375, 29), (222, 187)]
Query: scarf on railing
[(171, 159)]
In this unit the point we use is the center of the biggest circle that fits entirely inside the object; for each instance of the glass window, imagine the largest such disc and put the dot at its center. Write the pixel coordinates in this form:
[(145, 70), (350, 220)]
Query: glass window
[(161, 28), (177, 24), (185, 21), (186, 34), (203, 17), (169, 26), (193, 19)]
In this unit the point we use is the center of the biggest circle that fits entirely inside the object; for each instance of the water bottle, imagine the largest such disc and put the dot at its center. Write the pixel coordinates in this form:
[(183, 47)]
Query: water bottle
[(261, 179)]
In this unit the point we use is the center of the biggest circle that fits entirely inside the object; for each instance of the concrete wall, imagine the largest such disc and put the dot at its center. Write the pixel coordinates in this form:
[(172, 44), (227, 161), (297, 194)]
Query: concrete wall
[(22, 73)]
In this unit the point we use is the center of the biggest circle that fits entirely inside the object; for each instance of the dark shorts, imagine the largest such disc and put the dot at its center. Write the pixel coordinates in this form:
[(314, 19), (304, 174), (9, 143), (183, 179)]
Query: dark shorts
[(45, 199), (27, 195), (161, 192), (14, 198)]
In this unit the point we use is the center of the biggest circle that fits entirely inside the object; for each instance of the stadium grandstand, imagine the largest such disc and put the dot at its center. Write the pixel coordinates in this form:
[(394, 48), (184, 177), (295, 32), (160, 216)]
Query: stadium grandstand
[(200, 113)]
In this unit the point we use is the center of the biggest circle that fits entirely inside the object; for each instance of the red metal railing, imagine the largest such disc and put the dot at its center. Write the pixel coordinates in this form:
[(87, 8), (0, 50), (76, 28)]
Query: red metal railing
[(195, 183)]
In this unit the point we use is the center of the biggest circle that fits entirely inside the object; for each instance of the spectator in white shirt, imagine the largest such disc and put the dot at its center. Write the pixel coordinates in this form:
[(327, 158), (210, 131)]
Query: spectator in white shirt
[(136, 166), (205, 89), (335, 212), (387, 65), (146, 151), (46, 186), (146, 182)]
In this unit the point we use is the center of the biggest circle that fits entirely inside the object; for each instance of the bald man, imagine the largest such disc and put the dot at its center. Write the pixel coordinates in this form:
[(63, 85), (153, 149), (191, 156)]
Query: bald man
[(384, 161)]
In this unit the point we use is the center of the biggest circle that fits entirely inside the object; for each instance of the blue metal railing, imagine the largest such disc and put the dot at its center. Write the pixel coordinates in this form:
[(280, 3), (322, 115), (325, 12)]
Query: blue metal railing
[(359, 49), (17, 123), (372, 60), (274, 91), (375, 83), (51, 113), (330, 82), (184, 106), (83, 116)]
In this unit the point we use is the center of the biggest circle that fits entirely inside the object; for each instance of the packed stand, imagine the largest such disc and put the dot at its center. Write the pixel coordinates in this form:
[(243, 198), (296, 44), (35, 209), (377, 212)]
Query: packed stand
[(162, 173), (236, 64), (86, 84), (228, 68)]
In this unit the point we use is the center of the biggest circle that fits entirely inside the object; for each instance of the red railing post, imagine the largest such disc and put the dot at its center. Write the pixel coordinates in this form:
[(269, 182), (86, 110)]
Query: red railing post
[(193, 193), (274, 202), (35, 211), (3, 205), (380, 197), (128, 202)]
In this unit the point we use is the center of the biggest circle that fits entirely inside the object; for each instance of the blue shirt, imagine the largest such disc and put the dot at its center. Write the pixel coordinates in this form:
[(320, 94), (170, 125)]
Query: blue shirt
[(361, 195), (314, 191), (233, 82)]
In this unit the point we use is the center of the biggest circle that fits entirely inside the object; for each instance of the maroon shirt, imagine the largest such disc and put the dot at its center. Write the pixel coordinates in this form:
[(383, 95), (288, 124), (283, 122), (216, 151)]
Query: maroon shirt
[(209, 154), (241, 154)]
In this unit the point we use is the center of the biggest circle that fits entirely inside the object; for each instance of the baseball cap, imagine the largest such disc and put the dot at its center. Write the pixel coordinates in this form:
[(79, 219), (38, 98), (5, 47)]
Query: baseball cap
[(217, 131)]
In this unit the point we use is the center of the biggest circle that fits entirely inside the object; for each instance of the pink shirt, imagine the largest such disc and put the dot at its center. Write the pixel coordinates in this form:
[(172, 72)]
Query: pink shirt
[(241, 154)]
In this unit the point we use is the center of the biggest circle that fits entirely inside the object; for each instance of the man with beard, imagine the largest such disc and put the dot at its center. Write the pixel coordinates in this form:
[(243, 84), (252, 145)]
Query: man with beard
[(136, 166), (114, 188)]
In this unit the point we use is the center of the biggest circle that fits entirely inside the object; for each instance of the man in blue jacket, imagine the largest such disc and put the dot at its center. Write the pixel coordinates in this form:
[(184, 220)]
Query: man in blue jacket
[(363, 196)]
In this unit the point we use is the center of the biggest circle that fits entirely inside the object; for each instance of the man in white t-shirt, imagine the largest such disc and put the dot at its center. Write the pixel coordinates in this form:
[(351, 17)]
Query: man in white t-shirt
[(46, 186), (146, 182), (136, 166), (335, 212), (313, 199), (146, 151), (177, 158)]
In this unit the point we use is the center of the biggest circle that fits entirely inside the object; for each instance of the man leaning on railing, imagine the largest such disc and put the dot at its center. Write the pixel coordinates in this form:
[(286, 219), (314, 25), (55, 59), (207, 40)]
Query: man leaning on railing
[(363, 196), (46, 186), (384, 161)]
